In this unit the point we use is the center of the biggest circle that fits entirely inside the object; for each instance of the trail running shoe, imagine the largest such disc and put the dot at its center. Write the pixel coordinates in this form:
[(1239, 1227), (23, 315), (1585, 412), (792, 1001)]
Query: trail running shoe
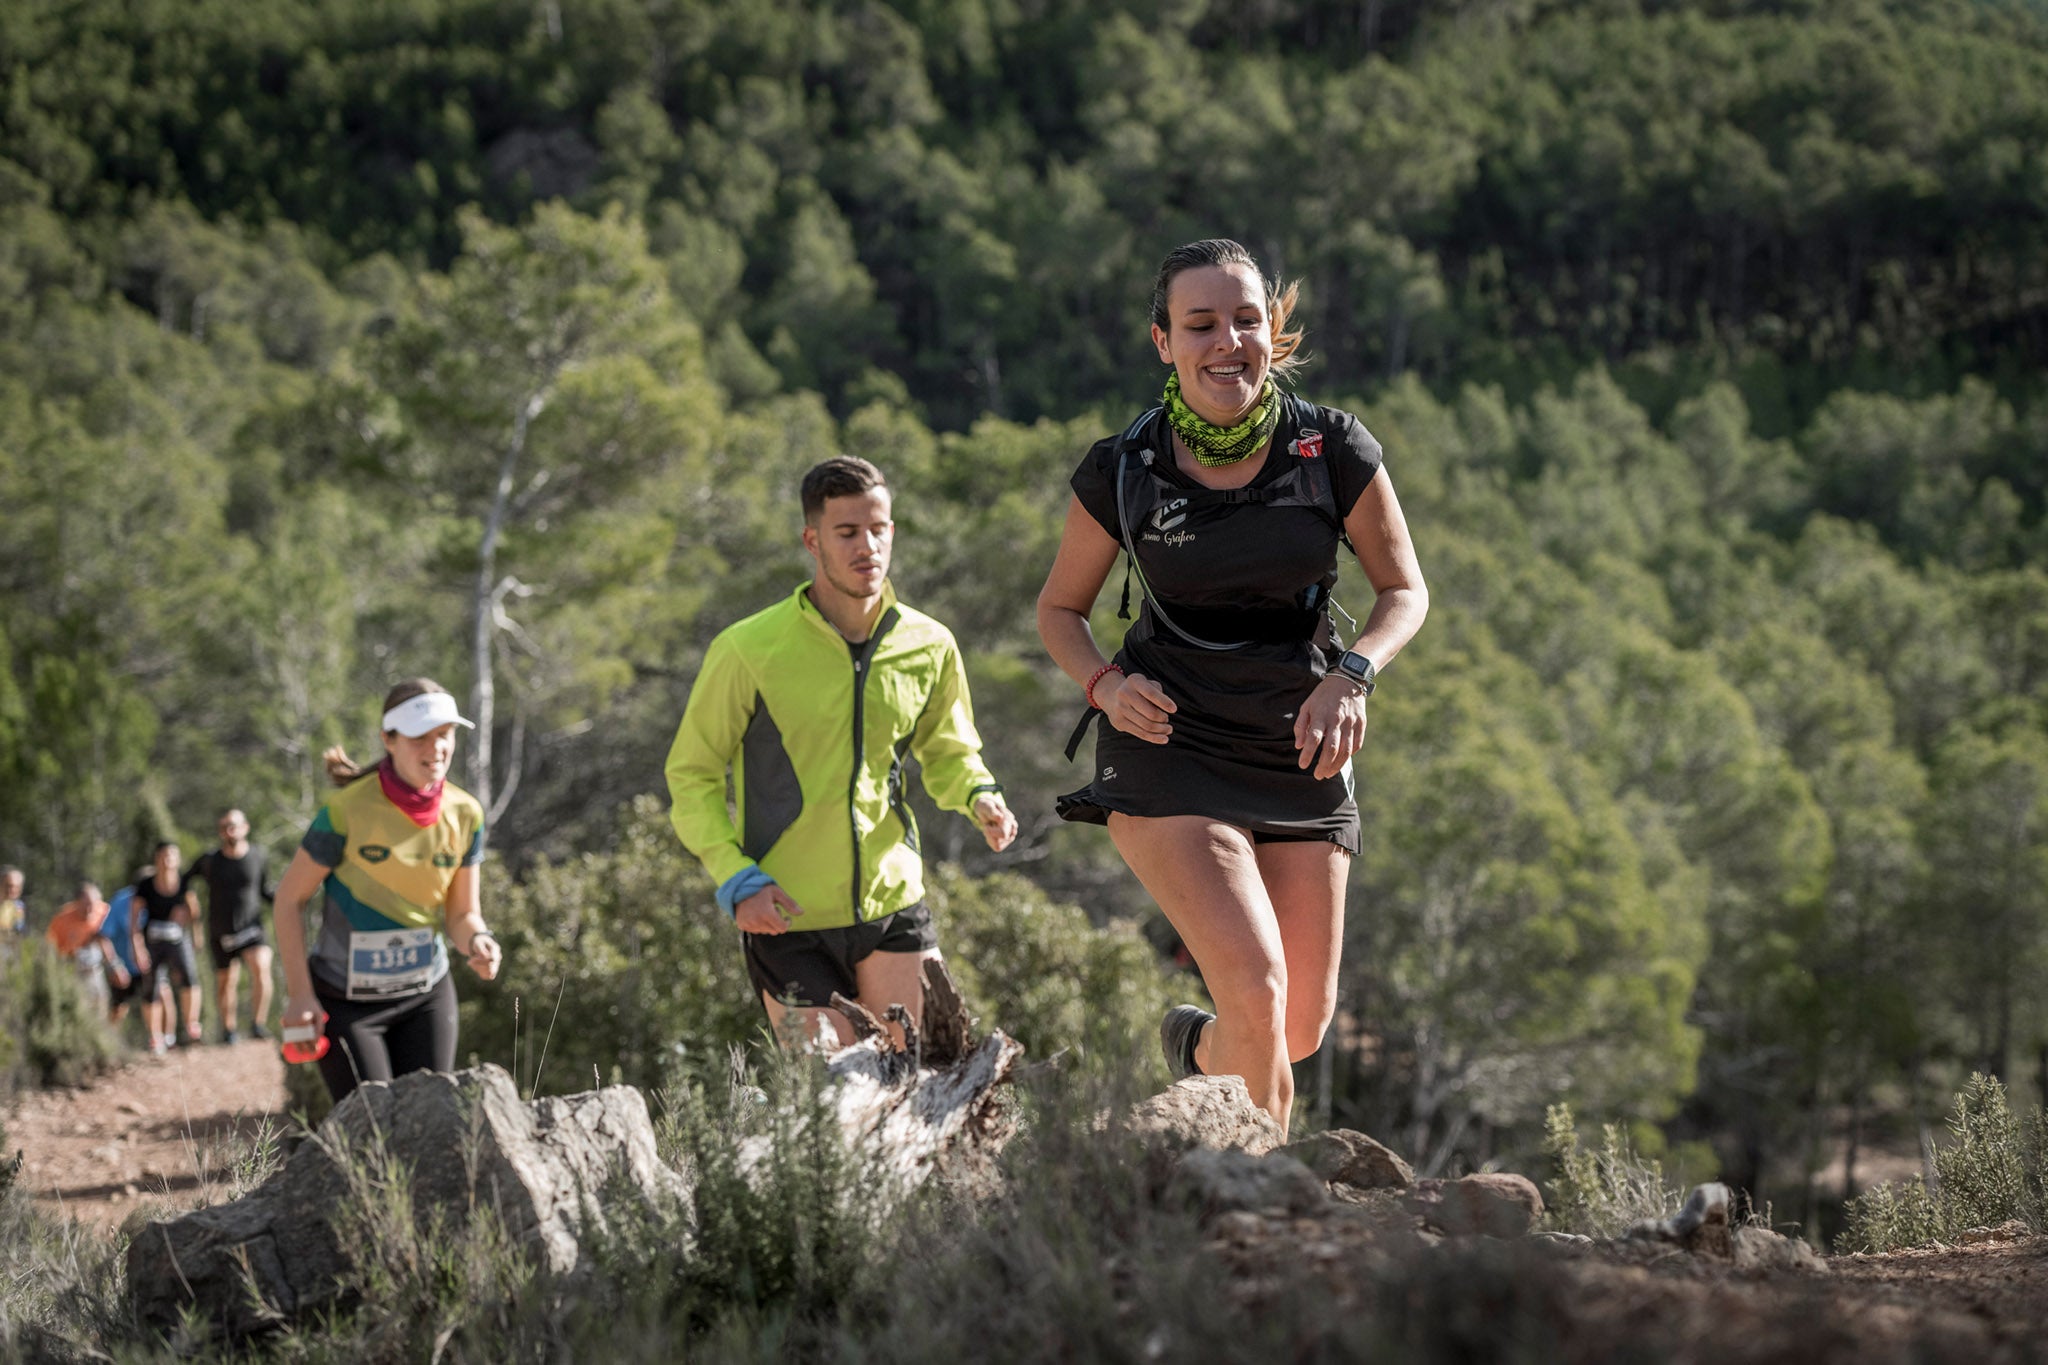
[(1179, 1031), (258, 1032), (229, 1037)]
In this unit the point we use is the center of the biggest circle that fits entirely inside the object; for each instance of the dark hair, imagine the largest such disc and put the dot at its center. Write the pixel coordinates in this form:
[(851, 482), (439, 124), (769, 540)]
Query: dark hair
[(842, 476), (159, 846), (341, 769), (1280, 298)]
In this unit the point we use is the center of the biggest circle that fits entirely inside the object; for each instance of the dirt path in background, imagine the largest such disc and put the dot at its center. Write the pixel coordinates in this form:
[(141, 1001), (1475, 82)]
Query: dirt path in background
[(155, 1130)]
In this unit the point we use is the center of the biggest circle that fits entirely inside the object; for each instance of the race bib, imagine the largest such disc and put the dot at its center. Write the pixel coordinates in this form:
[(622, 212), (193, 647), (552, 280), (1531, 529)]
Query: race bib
[(242, 940), (386, 962), (164, 931)]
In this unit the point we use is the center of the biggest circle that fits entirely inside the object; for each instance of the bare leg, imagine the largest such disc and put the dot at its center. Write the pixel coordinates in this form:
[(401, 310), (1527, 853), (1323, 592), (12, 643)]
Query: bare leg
[(1306, 884), (156, 1013), (1206, 878), (259, 985), (887, 979), (191, 999), (224, 993)]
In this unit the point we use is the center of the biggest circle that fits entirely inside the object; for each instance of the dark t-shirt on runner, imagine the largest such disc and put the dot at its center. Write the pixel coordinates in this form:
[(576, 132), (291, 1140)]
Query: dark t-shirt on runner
[(156, 912), (235, 890)]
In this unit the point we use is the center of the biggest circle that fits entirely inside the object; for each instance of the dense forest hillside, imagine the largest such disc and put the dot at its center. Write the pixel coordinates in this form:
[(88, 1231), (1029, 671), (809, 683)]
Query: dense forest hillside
[(485, 339)]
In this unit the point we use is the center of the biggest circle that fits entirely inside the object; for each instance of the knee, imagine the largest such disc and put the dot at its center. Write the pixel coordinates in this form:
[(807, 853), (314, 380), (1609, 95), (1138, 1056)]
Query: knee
[(1308, 1020), (1253, 997)]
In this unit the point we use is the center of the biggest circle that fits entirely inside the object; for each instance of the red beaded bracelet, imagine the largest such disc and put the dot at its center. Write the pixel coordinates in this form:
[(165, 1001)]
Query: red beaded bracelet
[(1099, 673)]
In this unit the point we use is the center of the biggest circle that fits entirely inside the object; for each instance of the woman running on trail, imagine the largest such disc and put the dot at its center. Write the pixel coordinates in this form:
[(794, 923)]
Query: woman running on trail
[(397, 851), (1230, 715)]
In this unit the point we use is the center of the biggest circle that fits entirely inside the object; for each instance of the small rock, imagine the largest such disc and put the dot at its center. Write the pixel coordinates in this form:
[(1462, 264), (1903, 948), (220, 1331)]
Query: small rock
[(1564, 1239), (1493, 1204), (1344, 1157), (1755, 1248), (2011, 1230), (1206, 1111), (1228, 1182)]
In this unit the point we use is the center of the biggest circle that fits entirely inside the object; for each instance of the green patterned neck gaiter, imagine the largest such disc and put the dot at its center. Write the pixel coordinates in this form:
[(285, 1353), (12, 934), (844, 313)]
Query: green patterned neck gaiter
[(1214, 445)]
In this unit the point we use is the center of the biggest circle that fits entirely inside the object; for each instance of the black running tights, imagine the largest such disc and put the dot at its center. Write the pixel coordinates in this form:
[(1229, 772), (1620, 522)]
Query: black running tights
[(375, 1040)]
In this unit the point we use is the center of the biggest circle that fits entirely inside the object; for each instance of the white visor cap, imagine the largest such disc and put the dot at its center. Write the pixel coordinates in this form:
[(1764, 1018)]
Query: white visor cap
[(427, 712)]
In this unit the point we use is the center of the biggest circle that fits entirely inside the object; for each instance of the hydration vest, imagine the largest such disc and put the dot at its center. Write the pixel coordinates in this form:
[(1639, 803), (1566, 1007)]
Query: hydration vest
[(1141, 495)]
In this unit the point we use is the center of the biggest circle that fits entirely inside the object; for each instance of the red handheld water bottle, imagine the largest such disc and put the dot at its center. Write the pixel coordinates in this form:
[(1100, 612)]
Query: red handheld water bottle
[(305, 1042)]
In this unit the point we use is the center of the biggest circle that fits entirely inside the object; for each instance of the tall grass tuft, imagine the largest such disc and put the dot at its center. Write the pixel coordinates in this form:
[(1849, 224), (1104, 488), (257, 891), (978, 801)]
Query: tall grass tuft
[(1995, 1168), (1600, 1193)]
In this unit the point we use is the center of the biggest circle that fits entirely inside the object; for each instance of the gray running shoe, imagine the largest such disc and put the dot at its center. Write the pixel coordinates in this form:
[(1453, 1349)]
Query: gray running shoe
[(1179, 1031)]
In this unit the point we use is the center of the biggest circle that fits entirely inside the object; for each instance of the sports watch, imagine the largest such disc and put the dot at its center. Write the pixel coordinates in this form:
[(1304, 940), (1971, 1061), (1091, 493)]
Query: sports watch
[(1358, 668)]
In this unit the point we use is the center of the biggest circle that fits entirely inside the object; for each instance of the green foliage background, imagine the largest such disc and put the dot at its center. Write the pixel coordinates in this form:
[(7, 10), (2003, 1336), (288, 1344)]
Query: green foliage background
[(1705, 341)]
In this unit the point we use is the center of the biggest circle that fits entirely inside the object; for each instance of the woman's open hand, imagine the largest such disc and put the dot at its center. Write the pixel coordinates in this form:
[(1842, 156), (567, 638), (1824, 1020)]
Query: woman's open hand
[(1330, 726), (1136, 705)]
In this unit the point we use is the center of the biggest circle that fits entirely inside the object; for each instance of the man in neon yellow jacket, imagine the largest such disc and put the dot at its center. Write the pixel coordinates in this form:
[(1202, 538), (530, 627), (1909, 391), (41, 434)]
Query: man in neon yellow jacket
[(814, 704)]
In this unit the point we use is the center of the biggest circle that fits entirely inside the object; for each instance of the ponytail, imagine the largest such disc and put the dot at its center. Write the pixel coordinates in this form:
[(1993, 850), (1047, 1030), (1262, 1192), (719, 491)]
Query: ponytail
[(341, 769)]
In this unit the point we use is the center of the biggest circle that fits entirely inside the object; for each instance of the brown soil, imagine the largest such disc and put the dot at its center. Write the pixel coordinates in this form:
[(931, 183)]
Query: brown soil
[(158, 1129)]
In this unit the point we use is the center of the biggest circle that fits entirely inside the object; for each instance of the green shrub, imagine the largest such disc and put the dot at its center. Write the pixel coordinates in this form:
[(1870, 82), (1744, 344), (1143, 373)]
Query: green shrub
[(1039, 970), (1600, 1193), (1895, 1214), (62, 1035), (1994, 1169), (617, 962)]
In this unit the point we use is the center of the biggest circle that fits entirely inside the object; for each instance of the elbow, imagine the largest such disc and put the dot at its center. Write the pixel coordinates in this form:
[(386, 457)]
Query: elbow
[(1052, 614)]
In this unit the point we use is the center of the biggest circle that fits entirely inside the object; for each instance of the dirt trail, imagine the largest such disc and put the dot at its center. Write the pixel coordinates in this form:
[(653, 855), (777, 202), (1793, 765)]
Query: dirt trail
[(157, 1129)]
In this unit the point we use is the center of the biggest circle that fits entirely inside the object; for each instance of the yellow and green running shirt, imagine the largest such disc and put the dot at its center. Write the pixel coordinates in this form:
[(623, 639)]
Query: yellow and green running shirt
[(381, 936)]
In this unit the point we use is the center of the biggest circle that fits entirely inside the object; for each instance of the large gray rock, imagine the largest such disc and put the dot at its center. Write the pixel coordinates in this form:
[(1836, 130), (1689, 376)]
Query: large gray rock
[(1217, 1183), (1491, 1204), (1345, 1157), (427, 1146), (1206, 1111)]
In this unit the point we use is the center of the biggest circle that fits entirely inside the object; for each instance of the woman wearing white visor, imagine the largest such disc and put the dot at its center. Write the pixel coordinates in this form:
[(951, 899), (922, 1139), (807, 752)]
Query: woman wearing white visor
[(396, 851)]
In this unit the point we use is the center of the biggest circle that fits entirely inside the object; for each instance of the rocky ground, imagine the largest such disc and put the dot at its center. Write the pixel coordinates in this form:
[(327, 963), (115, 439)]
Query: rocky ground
[(165, 1130)]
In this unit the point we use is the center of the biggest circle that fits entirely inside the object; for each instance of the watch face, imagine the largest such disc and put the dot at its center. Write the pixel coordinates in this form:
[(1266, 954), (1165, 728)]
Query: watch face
[(1356, 666)]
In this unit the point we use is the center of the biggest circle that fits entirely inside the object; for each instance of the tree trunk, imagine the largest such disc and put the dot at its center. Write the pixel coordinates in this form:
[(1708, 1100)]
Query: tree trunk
[(483, 692)]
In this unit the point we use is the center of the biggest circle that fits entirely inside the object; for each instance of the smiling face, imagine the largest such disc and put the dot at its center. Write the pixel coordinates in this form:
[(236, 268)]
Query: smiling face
[(1221, 342), (423, 761), (851, 541)]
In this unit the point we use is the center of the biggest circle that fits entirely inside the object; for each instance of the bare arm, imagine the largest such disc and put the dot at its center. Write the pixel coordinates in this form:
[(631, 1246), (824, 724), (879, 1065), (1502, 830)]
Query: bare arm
[(1379, 533), (294, 892), (1330, 726), (1136, 705), (463, 913)]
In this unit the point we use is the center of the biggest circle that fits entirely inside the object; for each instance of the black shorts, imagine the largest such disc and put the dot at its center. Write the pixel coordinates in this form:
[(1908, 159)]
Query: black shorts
[(173, 961), (804, 966), (228, 947), (138, 982)]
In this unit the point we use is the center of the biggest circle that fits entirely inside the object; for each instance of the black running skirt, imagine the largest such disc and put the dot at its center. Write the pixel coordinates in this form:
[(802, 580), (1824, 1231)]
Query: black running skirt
[(1231, 756)]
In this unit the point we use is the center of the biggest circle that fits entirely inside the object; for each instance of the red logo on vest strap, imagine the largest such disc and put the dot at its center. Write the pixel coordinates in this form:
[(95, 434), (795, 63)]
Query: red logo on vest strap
[(1309, 444)]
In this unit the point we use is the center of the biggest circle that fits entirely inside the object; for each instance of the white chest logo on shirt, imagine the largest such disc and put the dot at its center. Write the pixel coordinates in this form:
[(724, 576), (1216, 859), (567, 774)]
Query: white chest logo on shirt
[(1170, 515)]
